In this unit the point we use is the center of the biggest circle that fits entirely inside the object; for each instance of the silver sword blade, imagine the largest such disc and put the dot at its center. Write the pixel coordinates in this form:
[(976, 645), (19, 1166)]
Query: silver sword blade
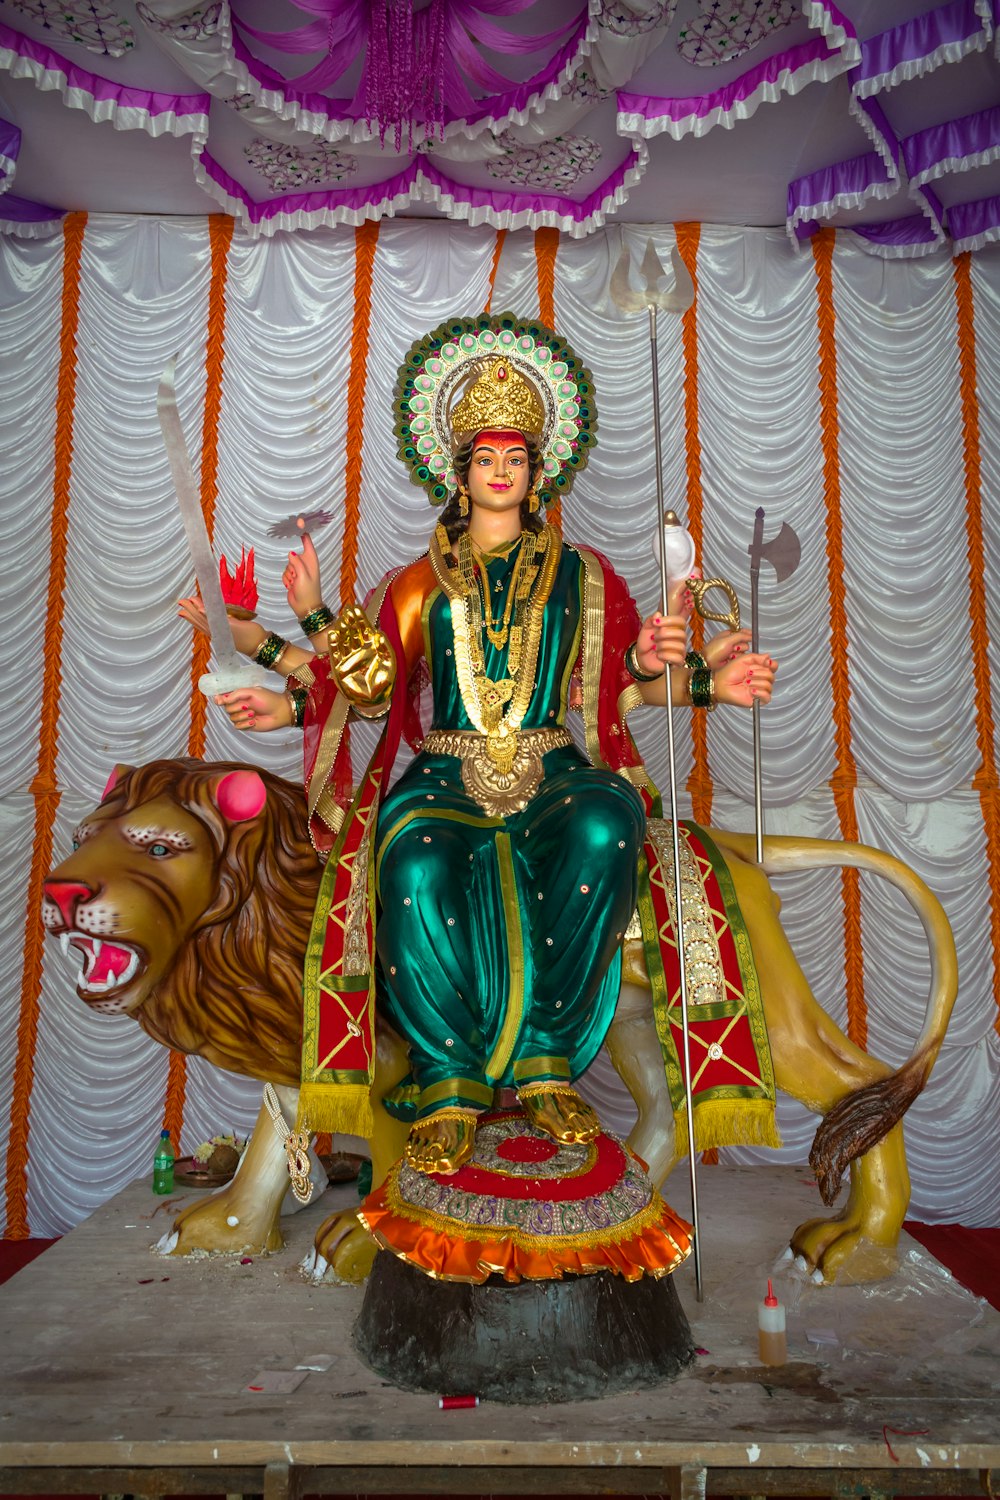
[(205, 566)]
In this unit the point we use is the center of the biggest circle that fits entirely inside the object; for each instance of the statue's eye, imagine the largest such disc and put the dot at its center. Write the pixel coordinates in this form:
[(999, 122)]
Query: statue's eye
[(159, 851), (76, 844)]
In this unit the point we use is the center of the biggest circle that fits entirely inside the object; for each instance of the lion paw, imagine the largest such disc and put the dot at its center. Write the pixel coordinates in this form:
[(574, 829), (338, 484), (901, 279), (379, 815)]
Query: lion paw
[(218, 1226), (343, 1250), (839, 1250)]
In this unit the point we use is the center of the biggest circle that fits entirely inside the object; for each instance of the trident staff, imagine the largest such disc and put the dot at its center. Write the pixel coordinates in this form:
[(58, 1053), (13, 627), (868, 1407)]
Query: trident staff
[(676, 302)]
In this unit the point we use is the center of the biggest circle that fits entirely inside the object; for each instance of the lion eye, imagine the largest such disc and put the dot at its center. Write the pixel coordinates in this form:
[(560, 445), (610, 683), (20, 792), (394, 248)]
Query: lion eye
[(159, 851), (76, 844)]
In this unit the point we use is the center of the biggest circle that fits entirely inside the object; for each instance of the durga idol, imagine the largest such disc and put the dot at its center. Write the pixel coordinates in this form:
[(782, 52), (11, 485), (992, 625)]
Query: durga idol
[(479, 902)]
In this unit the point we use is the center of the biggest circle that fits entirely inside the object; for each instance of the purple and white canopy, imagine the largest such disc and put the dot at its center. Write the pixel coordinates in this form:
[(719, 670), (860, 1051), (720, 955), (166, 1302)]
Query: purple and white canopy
[(882, 116)]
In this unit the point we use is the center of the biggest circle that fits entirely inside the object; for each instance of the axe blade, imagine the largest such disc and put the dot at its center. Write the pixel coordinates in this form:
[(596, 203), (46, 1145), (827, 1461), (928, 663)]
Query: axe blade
[(783, 552)]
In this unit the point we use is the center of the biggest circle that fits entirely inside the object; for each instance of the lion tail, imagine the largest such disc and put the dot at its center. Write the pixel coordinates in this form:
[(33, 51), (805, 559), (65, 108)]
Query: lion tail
[(861, 1119)]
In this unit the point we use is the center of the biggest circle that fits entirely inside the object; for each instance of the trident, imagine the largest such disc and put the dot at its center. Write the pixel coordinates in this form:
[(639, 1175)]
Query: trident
[(677, 301)]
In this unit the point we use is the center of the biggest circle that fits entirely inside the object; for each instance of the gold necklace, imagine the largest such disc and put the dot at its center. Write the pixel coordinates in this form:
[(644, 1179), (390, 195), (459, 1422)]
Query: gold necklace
[(518, 591), (483, 698)]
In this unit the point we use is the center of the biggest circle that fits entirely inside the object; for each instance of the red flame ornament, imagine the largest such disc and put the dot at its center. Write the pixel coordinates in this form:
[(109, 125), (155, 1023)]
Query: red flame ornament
[(239, 589)]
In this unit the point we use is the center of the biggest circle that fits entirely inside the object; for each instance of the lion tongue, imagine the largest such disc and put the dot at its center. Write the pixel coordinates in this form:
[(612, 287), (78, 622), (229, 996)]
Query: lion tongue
[(104, 961)]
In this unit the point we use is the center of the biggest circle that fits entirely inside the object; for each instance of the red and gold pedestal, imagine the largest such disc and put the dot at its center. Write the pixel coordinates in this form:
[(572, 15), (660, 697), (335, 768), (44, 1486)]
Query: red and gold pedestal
[(537, 1272)]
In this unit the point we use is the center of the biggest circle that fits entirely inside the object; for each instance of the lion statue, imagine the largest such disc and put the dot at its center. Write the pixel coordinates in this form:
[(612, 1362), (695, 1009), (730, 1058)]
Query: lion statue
[(206, 950)]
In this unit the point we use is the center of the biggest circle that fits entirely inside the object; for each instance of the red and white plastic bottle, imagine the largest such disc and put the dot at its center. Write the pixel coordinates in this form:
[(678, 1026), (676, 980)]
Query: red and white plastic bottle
[(771, 1336)]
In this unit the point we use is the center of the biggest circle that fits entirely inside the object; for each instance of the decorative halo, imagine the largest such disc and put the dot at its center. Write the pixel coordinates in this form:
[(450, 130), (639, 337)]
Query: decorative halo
[(442, 360)]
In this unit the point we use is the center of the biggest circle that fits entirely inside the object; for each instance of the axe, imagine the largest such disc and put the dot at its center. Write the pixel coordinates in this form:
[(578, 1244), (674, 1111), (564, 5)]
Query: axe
[(783, 553)]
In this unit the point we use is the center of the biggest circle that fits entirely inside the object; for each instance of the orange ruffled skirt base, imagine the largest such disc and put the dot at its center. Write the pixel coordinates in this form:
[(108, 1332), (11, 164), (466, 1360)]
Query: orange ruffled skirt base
[(527, 1208)]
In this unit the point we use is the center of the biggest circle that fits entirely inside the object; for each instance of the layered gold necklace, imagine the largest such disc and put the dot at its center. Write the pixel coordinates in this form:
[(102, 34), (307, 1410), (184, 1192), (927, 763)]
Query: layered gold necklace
[(510, 626), (484, 698)]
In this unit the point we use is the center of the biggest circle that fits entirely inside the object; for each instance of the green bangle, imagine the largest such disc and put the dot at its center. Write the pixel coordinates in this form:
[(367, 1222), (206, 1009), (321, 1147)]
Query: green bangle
[(635, 671), (702, 689), (316, 620), (695, 662), (270, 650), (299, 698)]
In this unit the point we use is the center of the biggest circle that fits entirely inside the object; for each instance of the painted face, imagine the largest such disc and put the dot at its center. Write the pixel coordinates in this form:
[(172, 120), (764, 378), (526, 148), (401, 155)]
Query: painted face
[(500, 471)]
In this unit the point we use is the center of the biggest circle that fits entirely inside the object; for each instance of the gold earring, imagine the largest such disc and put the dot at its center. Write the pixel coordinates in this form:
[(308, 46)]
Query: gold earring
[(463, 500), (532, 500)]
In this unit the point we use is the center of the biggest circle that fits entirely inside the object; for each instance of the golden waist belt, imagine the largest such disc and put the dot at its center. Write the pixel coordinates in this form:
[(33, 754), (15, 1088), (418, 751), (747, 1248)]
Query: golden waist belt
[(498, 792)]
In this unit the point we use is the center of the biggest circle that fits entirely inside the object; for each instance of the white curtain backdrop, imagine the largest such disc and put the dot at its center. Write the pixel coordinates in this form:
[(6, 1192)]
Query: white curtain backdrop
[(95, 1086)]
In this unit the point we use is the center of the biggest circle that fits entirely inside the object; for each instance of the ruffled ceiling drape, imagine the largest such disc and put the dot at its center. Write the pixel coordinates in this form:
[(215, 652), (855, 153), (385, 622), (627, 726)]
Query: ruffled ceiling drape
[(845, 394)]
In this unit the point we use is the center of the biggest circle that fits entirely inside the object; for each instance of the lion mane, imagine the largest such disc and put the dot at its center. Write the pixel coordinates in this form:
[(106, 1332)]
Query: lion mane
[(234, 992)]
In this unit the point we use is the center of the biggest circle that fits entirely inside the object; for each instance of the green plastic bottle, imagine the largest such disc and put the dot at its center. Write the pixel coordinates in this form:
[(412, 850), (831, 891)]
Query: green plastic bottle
[(163, 1164)]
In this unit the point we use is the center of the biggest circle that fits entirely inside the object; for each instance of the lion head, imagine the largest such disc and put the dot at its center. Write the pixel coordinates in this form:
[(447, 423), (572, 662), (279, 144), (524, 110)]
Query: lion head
[(189, 896)]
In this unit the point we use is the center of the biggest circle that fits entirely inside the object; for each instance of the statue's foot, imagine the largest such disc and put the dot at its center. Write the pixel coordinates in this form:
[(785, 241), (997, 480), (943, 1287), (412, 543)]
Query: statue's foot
[(560, 1112), (442, 1142)]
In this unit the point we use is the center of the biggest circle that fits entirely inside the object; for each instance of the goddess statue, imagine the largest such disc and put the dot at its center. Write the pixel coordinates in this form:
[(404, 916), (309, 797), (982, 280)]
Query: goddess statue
[(483, 897)]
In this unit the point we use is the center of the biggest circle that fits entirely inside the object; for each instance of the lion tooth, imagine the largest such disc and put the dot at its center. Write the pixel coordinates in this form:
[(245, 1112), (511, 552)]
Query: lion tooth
[(64, 941)]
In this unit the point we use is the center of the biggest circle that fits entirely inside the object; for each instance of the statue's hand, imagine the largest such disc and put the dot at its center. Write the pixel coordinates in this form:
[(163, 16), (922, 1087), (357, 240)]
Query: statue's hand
[(247, 634), (256, 709), (363, 663), (745, 679), (302, 580), (662, 640), (726, 646)]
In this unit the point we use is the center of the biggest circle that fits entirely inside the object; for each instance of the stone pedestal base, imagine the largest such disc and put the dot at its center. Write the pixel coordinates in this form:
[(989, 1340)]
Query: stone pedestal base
[(537, 1341)]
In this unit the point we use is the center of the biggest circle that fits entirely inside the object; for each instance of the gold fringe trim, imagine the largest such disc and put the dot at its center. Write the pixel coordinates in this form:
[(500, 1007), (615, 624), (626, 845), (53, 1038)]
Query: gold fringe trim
[(727, 1122), (343, 1108)]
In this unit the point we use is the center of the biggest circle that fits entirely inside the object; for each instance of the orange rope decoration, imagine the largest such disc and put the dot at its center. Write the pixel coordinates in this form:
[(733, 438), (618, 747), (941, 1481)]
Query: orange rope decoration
[(845, 777), (498, 251), (546, 250), (220, 234), (985, 779), (365, 241), (688, 237), (44, 787)]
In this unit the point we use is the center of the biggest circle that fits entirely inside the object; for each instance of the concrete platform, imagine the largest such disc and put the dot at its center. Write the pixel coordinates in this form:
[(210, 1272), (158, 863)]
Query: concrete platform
[(127, 1372)]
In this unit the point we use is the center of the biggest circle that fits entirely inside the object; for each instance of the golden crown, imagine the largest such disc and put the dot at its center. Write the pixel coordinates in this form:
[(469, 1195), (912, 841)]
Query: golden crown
[(500, 398)]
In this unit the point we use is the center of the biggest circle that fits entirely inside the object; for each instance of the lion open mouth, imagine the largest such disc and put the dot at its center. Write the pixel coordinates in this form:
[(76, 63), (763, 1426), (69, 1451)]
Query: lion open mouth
[(106, 966)]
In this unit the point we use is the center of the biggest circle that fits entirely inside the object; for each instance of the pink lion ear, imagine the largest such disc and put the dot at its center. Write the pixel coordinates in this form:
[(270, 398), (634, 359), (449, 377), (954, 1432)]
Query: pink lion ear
[(240, 796), (113, 780)]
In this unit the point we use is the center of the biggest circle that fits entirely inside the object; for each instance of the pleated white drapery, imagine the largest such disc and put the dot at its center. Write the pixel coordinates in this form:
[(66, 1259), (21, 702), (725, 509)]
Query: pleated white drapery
[(889, 515)]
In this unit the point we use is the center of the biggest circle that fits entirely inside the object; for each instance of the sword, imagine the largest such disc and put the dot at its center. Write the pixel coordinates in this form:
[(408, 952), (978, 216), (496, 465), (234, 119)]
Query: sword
[(231, 672)]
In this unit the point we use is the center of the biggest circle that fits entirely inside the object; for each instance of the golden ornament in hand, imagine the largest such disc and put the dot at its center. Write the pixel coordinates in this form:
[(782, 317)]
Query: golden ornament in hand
[(362, 661)]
